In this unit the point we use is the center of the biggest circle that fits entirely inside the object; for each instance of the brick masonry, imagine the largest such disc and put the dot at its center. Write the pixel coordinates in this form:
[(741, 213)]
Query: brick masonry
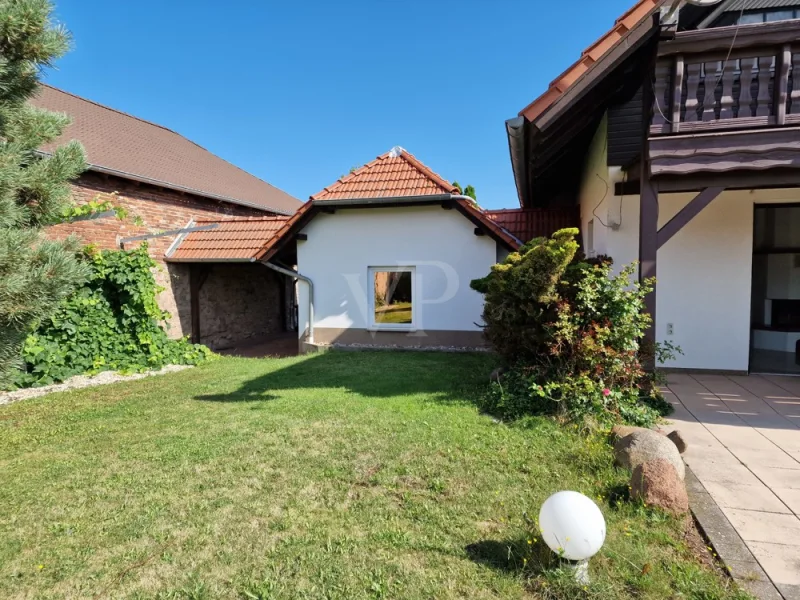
[(237, 302)]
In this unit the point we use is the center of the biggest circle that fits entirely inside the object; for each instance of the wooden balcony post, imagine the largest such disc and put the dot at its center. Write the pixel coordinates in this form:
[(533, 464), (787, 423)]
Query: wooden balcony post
[(782, 64), (660, 108), (677, 93), (726, 100), (795, 97), (763, 101), (745, 91), (692, 84)]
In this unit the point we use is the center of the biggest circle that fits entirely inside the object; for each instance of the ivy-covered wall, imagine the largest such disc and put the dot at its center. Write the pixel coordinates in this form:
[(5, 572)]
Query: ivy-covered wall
[(149, 209), (112, 322)]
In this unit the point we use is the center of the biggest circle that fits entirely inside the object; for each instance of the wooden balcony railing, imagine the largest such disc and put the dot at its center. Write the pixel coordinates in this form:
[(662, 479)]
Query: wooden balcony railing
[(757, 86)]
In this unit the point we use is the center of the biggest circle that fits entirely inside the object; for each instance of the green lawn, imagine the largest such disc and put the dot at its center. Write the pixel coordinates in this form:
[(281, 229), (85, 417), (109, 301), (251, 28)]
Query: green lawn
[(340, 475)]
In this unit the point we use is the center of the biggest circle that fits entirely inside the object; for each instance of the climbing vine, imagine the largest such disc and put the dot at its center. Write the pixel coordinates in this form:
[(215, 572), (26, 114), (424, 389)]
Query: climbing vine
[(113, 322)]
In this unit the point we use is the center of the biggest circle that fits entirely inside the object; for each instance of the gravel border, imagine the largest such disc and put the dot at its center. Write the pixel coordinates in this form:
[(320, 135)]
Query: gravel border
[(83, 381), (393, 347)]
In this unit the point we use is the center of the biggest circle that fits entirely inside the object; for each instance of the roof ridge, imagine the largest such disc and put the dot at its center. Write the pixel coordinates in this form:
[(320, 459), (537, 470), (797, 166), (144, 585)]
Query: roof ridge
[(116, 110), (172, 131), (396, 152)]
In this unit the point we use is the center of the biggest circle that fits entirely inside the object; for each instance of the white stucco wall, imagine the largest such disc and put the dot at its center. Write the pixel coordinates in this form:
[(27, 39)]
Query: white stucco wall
[(704, 272), (440, 244)]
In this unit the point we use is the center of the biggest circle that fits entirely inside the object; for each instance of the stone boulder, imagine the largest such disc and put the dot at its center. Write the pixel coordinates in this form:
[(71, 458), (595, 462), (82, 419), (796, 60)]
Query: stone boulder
[(656, 483), (642, 446), (620, 431), (678, 440)]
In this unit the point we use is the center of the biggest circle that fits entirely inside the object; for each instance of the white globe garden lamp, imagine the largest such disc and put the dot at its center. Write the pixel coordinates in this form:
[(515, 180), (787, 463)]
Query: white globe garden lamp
[(574, 528)]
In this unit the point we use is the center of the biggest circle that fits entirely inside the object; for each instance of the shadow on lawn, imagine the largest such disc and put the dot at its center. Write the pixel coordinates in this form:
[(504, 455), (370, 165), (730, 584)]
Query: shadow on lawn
[(445, 377), (509, 556), (513, 556)]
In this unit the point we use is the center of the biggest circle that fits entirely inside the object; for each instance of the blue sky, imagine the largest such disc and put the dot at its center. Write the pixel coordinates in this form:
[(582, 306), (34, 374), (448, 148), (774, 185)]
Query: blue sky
[(298, 92)]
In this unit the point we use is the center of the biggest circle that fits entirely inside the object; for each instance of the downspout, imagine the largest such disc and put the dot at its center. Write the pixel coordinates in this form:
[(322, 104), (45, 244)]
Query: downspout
[(296, 275)]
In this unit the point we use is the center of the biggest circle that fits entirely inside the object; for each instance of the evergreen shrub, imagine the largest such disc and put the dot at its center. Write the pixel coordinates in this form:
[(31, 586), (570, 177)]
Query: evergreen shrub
[(570, 333)]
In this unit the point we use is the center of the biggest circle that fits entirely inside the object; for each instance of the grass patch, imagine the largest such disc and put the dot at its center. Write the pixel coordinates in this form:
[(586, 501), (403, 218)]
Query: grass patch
[(339, 475)]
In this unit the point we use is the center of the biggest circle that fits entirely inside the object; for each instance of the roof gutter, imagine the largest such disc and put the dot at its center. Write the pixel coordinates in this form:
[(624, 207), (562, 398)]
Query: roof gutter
[(430, 199), (208, 260), (404, 200), (296, 275), (515, 129), (178, 188)]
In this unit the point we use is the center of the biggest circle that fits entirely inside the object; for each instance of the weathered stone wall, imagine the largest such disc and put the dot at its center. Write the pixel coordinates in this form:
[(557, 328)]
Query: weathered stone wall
[(239, 303), (152, 209)]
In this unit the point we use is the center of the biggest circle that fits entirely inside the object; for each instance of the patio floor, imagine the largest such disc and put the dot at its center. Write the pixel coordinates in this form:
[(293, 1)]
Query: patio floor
[(743, 434), (275, 346)]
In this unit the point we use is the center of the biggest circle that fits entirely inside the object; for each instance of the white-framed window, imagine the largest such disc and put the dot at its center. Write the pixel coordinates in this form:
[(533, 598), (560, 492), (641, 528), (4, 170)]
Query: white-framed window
[(392, 303)]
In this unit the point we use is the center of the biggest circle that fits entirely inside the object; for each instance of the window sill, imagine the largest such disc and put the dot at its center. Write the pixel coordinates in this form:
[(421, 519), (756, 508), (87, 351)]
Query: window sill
[(395, 329)]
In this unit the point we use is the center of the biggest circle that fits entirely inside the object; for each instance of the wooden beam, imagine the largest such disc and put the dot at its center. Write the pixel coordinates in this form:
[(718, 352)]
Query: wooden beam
[(626, 188), (731, 38), (648, 209), (479, 231), (687, 213), (733, 180), (648, 238), (301, 237)]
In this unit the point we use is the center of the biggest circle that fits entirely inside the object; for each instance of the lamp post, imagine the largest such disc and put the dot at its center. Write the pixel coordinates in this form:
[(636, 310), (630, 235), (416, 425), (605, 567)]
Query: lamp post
[(574, 528)]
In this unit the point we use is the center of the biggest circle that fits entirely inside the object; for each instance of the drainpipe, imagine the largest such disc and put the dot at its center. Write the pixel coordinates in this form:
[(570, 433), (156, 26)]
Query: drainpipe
[(296, 275)]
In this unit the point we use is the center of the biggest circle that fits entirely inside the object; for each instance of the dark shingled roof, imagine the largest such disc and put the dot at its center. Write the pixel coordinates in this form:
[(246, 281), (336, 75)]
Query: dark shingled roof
[(123, 145)]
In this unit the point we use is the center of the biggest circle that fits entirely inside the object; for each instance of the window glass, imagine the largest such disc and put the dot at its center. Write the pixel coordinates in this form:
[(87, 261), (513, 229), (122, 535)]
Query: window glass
[(779, 15), (748, 18), (393, 297)]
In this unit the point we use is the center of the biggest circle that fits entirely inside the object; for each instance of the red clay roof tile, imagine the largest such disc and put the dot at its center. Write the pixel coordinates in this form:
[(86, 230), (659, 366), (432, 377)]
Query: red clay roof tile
[(396, 174), (589, 56), (528, 223), (234, 239)]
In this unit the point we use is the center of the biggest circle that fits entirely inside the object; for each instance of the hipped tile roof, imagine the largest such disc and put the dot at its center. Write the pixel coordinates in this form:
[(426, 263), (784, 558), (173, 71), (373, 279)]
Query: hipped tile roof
[(591, 55), (233, 239), (396, 174), (124, 145)]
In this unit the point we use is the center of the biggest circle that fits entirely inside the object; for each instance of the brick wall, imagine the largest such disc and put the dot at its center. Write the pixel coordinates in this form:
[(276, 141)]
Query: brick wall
[(233, 290), (160, 209)]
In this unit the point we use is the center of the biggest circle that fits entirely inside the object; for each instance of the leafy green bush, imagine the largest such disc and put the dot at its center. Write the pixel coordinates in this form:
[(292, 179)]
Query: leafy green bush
[(113, 322), (571, 334)]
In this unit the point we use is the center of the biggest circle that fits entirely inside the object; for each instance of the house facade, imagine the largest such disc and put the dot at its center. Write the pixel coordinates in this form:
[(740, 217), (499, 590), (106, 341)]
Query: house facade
[(677, 134), (386, 256), (164, 182), (383, 257)]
